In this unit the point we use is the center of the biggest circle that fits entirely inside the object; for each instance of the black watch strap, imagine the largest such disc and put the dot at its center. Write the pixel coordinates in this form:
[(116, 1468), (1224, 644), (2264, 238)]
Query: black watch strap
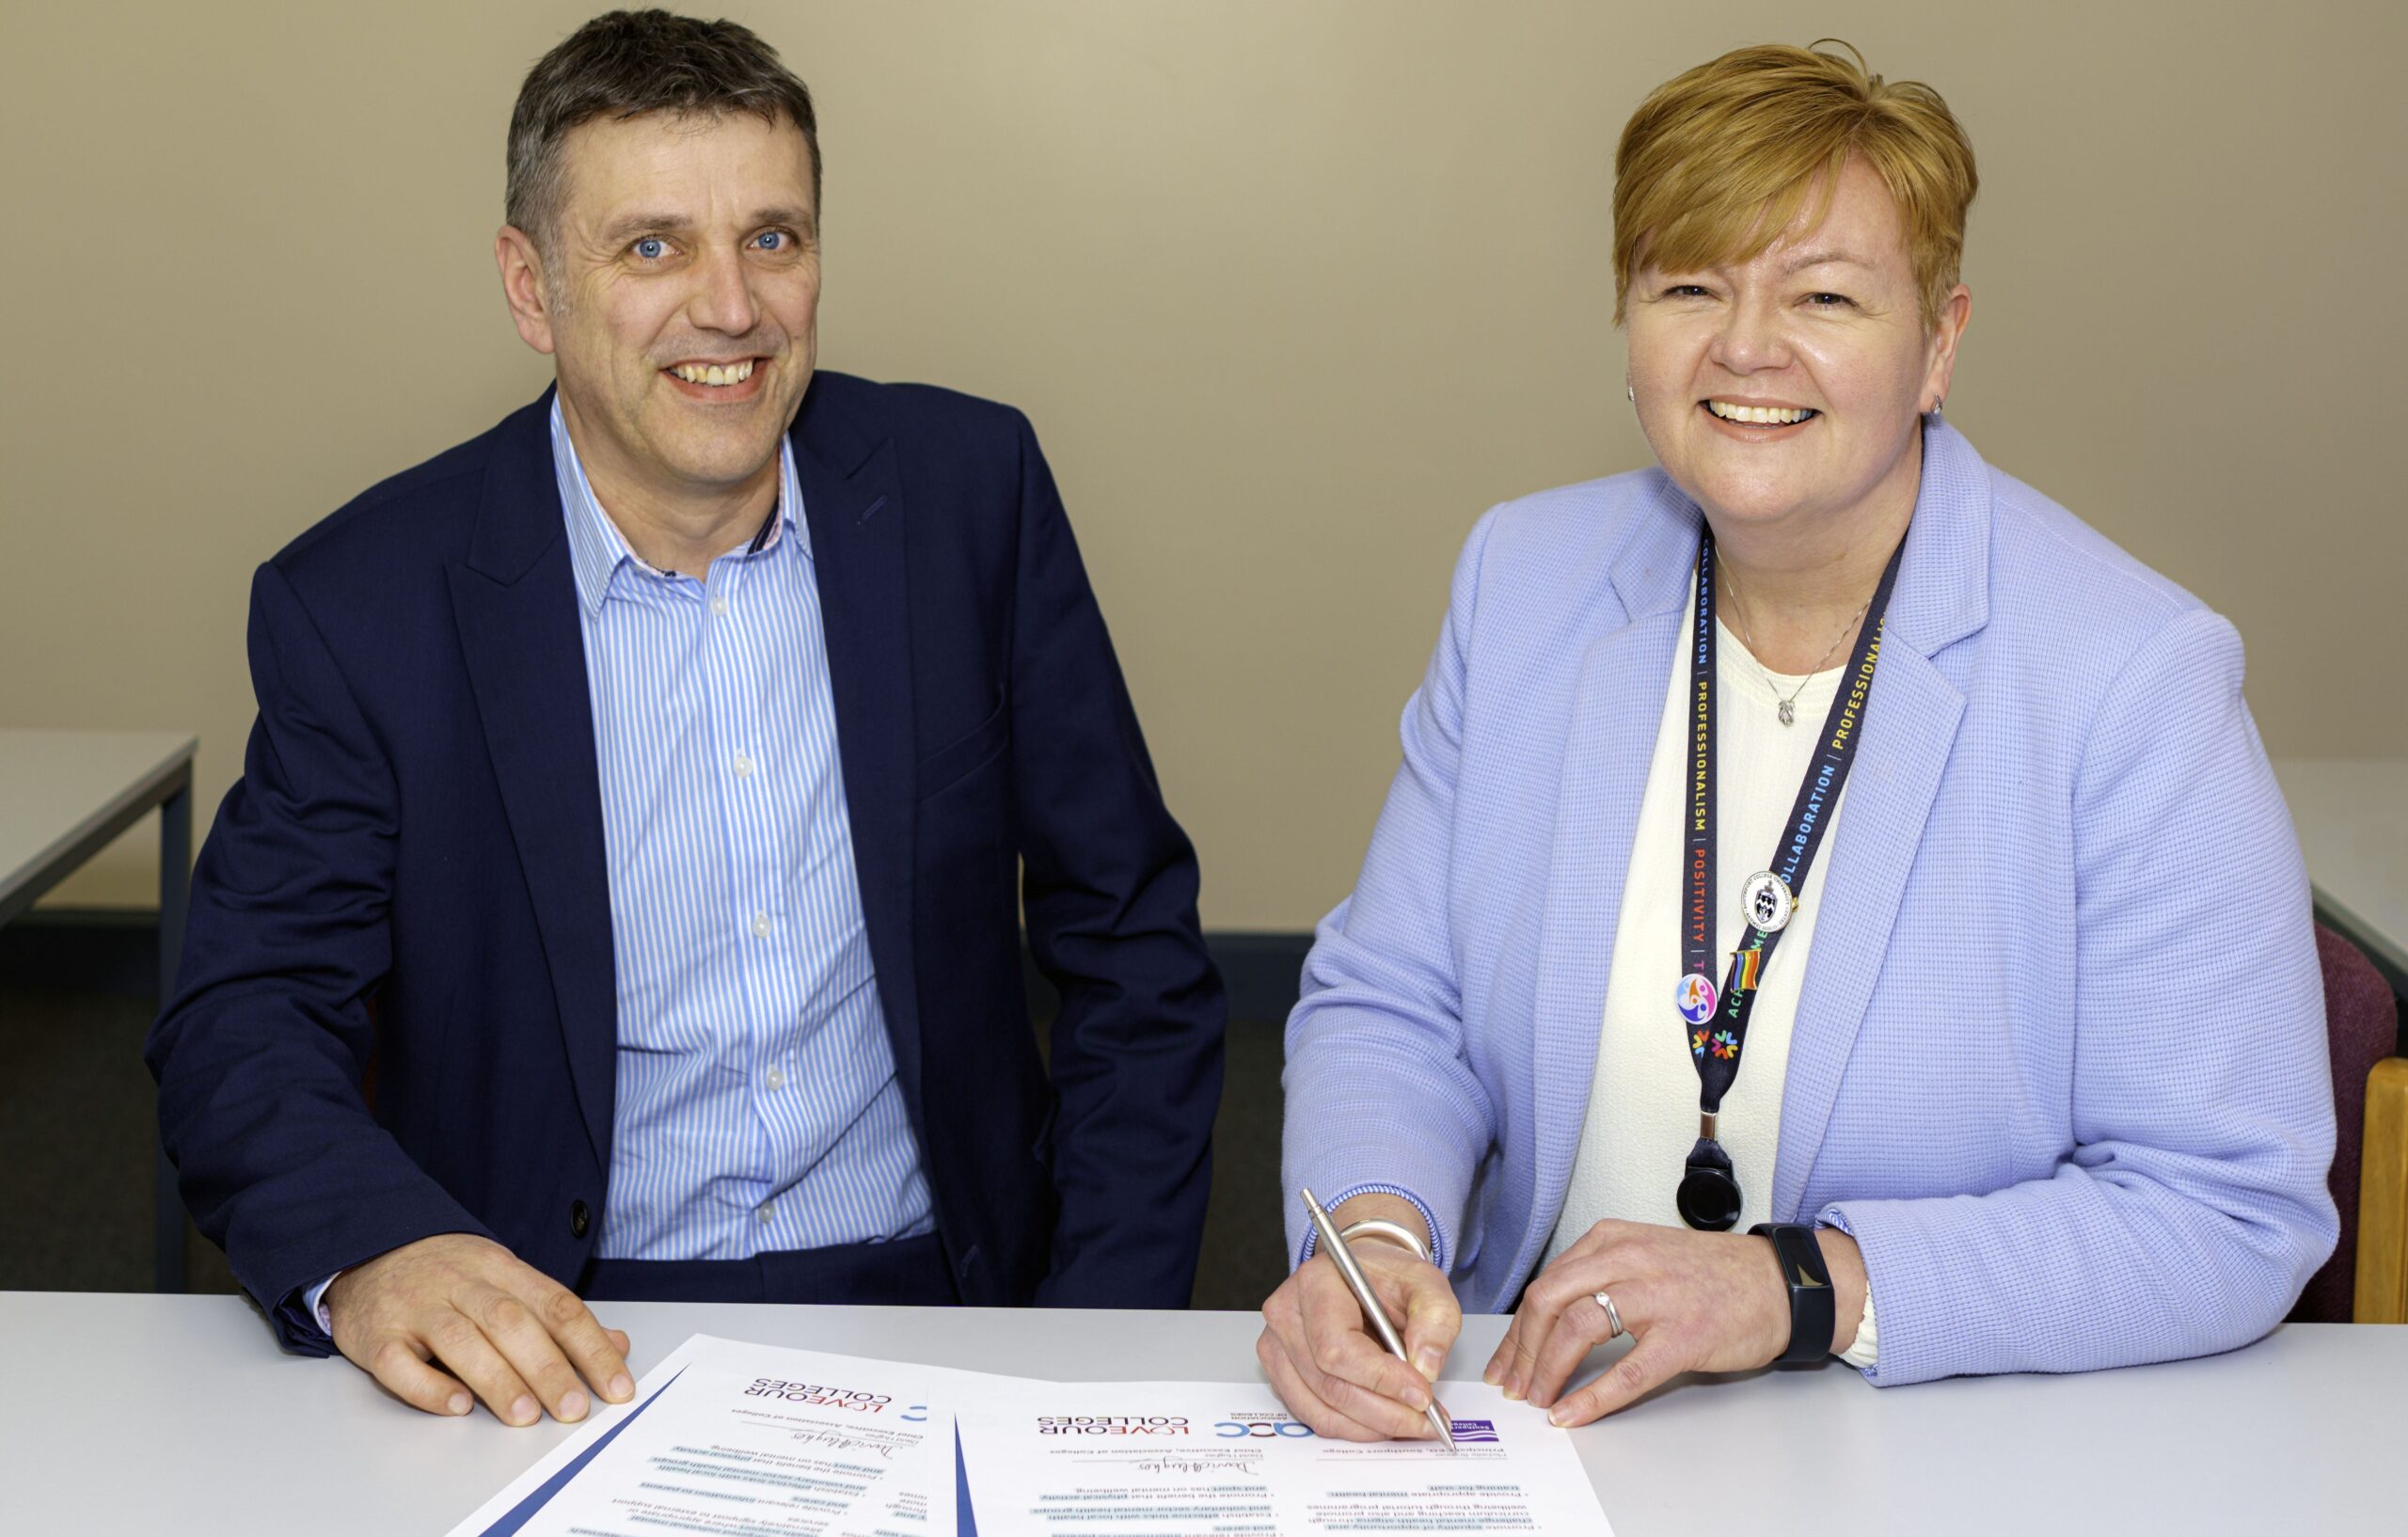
[(1813, 1312)]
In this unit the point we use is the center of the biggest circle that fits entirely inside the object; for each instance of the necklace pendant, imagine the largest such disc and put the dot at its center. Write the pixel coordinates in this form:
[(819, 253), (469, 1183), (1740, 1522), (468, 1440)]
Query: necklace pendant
[(1788, 713)]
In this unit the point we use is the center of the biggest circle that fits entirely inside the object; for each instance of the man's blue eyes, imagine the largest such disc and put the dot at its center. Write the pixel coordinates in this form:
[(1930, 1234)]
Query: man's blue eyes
[(652, 247)]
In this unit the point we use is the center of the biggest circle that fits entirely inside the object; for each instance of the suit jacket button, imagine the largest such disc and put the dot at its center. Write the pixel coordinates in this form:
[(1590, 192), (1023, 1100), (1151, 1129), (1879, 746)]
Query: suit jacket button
[(579, 1219)]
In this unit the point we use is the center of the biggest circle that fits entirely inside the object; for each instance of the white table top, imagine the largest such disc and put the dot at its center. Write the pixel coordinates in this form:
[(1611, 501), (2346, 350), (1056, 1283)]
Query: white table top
[(2352, 819), (178, 1414), (57, 787)]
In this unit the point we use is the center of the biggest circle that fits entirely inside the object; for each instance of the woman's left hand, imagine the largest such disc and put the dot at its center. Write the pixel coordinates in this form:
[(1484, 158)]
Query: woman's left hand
[(1690, 1301)]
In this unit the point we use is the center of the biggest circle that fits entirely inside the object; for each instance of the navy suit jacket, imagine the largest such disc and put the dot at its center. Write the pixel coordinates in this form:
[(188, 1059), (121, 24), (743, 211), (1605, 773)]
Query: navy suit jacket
[(396, 1012)]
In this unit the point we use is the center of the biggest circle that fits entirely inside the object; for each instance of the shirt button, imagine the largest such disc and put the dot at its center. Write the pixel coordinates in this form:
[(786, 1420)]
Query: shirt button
[(775, 1078), (743, 766), (762, 1213), (760, 926), (718, 603)]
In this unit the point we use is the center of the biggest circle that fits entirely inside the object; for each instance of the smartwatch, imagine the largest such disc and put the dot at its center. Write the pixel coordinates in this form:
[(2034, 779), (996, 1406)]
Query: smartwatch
[(1812, 1309)]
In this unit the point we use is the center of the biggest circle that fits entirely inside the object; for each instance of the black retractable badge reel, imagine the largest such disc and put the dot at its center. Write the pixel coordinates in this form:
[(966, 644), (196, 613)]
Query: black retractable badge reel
[(1715, 1020)]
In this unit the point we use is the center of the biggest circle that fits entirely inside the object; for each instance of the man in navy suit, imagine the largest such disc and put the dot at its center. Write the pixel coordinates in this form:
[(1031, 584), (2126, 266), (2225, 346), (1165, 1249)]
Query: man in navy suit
[(623, 893)]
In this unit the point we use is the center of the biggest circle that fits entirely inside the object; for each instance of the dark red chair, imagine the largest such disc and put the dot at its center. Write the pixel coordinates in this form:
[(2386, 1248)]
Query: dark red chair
[(2362, 1025)]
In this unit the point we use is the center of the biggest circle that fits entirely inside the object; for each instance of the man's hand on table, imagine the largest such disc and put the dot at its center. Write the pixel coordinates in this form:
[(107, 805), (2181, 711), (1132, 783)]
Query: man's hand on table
[(517, 1337), (1317, 1349)]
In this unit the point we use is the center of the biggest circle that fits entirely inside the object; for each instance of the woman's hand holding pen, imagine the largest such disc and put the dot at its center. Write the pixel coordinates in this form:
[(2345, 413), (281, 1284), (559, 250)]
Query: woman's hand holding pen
[(1319, 1353)]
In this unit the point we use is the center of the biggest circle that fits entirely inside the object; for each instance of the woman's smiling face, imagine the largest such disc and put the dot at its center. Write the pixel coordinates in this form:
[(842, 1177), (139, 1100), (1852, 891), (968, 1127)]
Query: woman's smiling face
[(1790, 386)]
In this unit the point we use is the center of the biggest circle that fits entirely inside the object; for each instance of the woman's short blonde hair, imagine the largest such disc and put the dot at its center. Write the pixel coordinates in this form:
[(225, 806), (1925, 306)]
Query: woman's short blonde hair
[(1716, 162)]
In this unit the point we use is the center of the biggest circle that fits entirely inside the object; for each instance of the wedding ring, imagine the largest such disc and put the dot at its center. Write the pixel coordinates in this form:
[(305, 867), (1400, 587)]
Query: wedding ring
[(1613, 1319)]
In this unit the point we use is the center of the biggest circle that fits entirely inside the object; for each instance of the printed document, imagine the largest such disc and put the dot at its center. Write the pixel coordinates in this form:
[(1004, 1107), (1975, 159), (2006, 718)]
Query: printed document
[(1177, 1458), (736, 1440)]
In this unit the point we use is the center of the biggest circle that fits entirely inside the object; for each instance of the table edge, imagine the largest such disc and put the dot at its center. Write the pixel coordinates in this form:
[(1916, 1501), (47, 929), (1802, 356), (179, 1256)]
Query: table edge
[(65, 854)]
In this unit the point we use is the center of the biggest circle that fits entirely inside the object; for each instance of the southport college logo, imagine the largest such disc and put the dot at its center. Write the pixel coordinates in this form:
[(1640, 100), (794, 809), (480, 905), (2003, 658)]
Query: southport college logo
[(1475, 1430)]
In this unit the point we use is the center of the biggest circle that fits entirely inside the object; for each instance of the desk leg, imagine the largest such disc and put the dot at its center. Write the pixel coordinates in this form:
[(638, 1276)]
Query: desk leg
[(175, 892)]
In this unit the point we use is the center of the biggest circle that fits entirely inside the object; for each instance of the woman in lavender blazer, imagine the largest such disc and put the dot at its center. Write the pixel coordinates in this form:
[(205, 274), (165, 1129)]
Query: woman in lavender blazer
[(2050, 1087)]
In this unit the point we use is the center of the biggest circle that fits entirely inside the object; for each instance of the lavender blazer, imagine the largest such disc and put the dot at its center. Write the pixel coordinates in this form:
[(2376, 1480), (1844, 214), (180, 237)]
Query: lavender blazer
[(2059, 1062)]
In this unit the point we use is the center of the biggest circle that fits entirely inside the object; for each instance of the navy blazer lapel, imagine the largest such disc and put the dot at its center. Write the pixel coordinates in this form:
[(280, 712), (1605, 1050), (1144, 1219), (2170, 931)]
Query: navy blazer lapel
[(852, 503), (1616, 710), (1942, 595), (515, 603)]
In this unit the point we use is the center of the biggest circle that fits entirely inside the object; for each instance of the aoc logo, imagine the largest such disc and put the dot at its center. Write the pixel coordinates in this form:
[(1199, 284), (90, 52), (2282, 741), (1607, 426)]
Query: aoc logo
[(1233, 1430)]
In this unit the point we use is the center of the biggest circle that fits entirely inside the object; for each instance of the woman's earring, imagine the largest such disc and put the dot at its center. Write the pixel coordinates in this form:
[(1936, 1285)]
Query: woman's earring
[(1631, 391)]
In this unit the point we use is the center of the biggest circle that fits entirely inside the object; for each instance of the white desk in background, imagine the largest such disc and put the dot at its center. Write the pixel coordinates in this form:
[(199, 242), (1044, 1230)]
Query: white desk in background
[(137, 1413), (2352, 815), (64, 797)]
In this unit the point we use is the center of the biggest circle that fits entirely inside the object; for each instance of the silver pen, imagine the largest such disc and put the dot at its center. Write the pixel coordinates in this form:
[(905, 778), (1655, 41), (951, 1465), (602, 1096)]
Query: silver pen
[(1335, 1242)]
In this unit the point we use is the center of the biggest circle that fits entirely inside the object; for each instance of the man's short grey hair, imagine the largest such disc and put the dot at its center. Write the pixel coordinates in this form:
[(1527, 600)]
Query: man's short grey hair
[(624, 65)]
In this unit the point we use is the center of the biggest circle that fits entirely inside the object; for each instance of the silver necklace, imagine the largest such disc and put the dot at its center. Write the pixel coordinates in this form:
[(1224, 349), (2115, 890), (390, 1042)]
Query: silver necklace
[(1789, 705)]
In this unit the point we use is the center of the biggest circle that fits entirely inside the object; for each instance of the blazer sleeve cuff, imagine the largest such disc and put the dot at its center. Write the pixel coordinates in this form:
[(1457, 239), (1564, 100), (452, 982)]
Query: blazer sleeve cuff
[(1893, 1263), (297, 1317)]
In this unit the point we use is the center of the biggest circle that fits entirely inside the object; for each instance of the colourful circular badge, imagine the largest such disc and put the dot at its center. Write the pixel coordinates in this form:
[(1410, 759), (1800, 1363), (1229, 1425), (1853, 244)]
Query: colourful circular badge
[(1696, 998), (1766, 901)]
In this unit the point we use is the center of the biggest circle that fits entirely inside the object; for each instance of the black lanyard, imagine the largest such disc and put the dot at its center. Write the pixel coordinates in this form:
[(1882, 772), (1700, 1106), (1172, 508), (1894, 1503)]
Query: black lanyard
[(1714, 1021)]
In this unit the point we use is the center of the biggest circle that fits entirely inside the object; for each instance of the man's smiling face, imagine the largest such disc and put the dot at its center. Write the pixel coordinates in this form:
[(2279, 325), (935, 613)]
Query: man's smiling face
[(682, 293)]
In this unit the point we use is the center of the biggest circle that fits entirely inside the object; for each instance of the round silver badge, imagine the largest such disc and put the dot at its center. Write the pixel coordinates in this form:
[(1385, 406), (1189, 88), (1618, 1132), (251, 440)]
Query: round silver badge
[(1765, 902)]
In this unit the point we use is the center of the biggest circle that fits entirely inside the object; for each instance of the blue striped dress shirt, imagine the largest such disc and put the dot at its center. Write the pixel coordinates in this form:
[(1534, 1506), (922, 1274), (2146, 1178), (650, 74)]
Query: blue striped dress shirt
[(757, 1102)]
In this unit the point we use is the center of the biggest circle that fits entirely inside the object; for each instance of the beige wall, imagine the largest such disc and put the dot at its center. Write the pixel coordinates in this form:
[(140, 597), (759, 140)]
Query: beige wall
[(1292, 291)]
